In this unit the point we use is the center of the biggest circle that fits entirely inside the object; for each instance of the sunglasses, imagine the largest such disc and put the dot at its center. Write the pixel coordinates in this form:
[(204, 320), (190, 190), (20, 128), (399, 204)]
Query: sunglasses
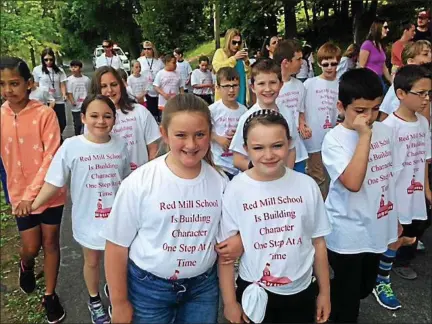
[(235, 42), (106, 46), (386, 27), (48, 60), (333, 64), (421, 18), (147, 48)]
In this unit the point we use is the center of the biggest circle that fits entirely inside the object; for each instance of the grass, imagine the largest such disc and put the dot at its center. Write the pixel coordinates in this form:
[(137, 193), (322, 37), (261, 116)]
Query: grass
[(16, 306), (207, 49)]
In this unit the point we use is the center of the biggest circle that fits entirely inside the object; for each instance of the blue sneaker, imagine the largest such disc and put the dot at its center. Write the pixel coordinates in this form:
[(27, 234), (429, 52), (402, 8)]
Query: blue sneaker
[(385, 296), (98, 313)]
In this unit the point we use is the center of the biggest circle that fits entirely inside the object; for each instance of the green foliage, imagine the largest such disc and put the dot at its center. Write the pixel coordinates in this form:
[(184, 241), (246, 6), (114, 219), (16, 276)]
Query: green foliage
[(169, 24), (26, 26)]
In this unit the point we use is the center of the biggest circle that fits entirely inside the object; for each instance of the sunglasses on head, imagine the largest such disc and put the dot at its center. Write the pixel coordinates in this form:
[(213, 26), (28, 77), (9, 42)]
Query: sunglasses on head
[(48, 60), (235, 42), (329, 64)]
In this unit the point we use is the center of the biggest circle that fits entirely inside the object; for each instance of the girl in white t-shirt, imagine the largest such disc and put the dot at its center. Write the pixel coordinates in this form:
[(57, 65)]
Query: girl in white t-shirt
[(134, 122), (138, 83), (96, 162), (160, 252), (282, 222)]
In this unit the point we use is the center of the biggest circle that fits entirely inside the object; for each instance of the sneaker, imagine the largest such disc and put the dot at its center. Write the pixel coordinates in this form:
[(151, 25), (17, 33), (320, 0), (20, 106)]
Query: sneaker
[(385, 296), (54, 310), (405, 272), (420, 246), (98, 313), (27, 280)]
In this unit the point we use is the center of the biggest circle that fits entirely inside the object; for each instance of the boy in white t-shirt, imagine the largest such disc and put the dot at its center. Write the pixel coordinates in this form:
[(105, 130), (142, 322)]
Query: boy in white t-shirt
[(184, 68), (138, 82), (168, 82), (77, 88), (42, 95), (357, 154), (202, 80), (225, 114), (288, 55), (321, 111), (412, 154), (413, 53), (266, 83)]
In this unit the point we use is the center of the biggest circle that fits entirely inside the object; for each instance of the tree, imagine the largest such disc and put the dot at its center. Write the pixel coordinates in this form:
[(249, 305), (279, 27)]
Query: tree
[(290, 18), (27, 27)]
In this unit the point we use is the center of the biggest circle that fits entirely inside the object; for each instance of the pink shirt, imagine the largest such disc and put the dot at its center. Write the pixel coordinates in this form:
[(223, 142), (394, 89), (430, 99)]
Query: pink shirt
[(376, 59)]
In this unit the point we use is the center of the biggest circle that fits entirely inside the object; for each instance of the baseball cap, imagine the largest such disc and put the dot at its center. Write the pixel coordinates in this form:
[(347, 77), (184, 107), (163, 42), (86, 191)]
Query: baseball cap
[(424, 14)]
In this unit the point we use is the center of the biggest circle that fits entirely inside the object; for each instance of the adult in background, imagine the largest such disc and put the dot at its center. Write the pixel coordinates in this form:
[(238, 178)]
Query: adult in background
[(232, 55), (306, 69), (269, 46), (109, 57), (372, 52), (423, 26), (152, 64), (53, 78), (409, 31)]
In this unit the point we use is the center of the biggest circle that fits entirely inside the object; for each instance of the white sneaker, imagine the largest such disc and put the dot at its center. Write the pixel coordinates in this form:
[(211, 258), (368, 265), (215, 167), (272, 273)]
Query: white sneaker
[(420, 246)]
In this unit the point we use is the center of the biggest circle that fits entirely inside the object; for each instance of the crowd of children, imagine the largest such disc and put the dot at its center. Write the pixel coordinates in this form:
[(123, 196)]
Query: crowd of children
[(280, 185)]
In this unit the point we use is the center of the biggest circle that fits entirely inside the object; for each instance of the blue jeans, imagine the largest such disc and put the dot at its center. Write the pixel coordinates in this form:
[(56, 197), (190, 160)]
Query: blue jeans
[(300, 166), (158, 300)]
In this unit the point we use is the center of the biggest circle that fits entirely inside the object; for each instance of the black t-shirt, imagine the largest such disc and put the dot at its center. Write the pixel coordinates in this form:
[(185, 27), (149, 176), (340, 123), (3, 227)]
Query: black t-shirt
[(425, 35)]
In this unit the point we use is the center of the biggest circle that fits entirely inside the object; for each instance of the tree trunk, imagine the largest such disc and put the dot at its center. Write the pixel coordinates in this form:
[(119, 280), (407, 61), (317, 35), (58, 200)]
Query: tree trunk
[(373, 9), (290, 19), (32, 56), (306, 12), (326, 10), (357, 8), (216, 19), (344, 14), (314, 15)]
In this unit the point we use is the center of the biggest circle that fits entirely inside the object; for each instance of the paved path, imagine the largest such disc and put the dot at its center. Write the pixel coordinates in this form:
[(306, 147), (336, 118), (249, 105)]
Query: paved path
[(415, 295)]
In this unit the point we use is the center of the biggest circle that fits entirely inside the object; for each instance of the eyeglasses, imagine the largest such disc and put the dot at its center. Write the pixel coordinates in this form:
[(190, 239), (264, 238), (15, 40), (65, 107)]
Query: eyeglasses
[(48, 60), (333, 64), (236, 42), (423, 94), (147, 48), (230, 86)]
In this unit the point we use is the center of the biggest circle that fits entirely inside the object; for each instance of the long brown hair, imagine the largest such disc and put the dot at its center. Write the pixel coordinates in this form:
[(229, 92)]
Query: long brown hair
[(229, 35), (375, 33), (192, 104), (125, 102)]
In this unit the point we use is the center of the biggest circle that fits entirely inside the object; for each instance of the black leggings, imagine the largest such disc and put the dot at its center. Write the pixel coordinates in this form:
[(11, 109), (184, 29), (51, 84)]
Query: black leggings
[(61, 116), (152, 106)]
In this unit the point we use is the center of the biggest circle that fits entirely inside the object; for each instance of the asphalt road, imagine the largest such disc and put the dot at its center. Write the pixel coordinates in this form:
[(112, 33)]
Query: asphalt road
[(415, 296)]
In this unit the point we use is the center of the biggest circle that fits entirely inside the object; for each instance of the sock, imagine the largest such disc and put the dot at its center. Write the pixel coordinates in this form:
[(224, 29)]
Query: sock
[(95, 299), (385, 265)]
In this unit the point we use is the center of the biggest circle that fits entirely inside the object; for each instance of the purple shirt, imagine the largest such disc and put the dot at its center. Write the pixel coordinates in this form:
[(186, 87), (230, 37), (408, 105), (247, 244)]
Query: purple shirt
[(376, 59)]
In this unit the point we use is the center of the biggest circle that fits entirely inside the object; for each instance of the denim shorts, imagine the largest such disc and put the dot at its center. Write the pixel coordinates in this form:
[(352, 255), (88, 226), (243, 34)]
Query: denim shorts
[(158, 300)]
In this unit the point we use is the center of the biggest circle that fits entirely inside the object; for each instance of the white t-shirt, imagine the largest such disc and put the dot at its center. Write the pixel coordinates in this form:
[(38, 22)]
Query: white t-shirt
[(169, 81), (79, 87), (185, 71), (139, 129), (169, 223), (96, 172), (50, 81), (291, 97), (153, 66), (344, 65), (200, 77), (390, 102), (277, 221), (306, 69), (41, 94), (113, 61), (138, 85), (224, 120), (363, 221), (320, 110), (237, 141), (412, 149)]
